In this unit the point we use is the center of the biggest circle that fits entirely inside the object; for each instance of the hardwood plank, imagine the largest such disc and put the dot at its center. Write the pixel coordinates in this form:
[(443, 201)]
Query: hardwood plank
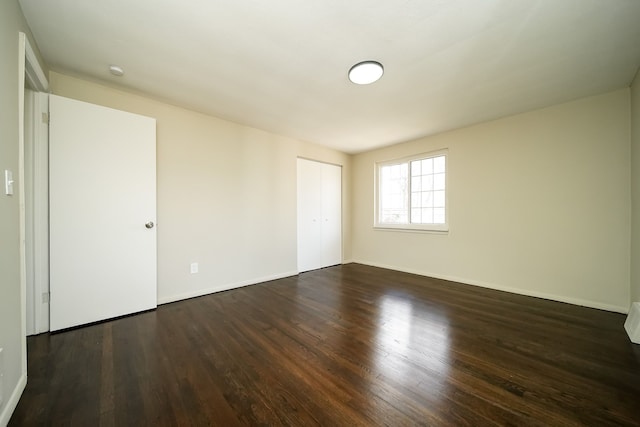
[(346, 345)]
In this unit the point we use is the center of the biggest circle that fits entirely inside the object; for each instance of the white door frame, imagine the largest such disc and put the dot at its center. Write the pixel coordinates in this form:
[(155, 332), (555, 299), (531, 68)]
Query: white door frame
[(29, 72)]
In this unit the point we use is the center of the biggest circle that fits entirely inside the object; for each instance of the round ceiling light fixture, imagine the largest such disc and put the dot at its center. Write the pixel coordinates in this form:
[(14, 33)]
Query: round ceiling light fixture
[(116, 71), (366, 72)]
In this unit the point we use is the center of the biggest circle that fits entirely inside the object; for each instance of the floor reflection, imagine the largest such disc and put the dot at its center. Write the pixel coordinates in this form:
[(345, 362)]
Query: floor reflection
[(414, 343)]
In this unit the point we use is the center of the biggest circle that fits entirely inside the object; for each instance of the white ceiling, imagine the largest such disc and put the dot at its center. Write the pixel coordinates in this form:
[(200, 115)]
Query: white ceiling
[(281, 65)]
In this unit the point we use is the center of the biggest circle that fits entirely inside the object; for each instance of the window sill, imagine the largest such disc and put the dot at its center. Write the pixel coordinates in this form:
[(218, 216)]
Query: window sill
[(409, 229)]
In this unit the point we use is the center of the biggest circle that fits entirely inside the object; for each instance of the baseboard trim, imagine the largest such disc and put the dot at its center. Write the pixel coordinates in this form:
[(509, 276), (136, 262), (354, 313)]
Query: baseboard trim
[(543, 295), (632, 324), (223, 287), (11, 404)]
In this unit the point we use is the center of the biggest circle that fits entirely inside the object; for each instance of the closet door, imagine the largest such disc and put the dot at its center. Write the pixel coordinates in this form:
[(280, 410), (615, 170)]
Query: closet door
[(309, 209), (319, 215), (331, 215)]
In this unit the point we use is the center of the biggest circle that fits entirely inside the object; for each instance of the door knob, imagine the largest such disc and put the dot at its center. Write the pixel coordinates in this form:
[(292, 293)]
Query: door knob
[(149, 224)]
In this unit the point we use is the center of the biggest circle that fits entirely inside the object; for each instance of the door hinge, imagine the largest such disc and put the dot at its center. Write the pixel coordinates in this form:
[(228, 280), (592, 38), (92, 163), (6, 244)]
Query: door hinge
[(46, 297), (45, 118)]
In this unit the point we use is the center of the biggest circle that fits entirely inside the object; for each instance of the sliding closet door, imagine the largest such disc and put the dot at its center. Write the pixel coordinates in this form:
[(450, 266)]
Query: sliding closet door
[(102, 213), (309, 212), (331, 215), (319, 215)]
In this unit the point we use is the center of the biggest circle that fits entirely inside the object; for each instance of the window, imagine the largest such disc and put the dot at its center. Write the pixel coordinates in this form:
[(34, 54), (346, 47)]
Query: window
[(411, 193)]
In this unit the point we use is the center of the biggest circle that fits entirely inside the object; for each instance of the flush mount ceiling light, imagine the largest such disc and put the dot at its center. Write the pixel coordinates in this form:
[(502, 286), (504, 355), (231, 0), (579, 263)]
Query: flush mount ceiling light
[(366, 72), (116, 71)]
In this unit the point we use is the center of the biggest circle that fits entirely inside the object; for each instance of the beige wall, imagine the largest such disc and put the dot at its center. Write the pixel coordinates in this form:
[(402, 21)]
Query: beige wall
[(635, 189), (226, 194), (538, 205)]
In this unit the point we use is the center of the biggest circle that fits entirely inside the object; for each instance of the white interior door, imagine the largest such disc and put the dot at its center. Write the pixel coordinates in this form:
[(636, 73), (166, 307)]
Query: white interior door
[(102, 165), (36, 189), (319, 215)]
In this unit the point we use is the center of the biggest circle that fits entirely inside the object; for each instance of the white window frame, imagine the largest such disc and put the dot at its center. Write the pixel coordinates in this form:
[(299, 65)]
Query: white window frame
[(438, 228)]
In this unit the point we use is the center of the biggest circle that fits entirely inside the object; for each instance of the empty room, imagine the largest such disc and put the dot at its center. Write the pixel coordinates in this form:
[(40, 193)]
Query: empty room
[(371, 213)]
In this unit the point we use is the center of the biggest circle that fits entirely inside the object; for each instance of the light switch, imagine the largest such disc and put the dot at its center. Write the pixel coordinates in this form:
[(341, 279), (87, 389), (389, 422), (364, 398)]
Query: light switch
[(8, 182)]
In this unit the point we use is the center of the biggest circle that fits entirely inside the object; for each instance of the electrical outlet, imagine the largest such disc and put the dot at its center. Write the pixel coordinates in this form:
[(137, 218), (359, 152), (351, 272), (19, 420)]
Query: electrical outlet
[(194, 267)]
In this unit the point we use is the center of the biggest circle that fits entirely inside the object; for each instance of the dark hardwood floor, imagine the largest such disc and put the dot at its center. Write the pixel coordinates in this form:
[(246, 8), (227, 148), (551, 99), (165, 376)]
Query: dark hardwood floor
[(347, 345)]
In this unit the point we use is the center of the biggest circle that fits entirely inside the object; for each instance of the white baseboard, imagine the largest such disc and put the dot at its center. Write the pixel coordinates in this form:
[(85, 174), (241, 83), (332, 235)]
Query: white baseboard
[(543, 295), (224, 287), (13, 400), (632, 324)]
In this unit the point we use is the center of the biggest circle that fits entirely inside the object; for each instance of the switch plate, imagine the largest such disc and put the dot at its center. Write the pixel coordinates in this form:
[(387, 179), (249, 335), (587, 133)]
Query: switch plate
[(194, 267), (8, 182)]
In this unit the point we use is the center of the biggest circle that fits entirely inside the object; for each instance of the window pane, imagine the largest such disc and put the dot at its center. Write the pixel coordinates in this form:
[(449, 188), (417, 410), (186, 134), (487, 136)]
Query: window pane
[(427, 216), (395, 171), (384, 175), (393, 194), (438, 216), (427, 199), (415, 216), (427, 166), (438, 181), (427, 182), (438, 164), (416, 184), (394, 217), (438, 199), (415, 168), (416, 199)]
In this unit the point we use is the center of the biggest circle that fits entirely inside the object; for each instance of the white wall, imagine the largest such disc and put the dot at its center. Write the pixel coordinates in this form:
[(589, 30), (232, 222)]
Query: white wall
[(226, 194), (635, 189), (539, 205)]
